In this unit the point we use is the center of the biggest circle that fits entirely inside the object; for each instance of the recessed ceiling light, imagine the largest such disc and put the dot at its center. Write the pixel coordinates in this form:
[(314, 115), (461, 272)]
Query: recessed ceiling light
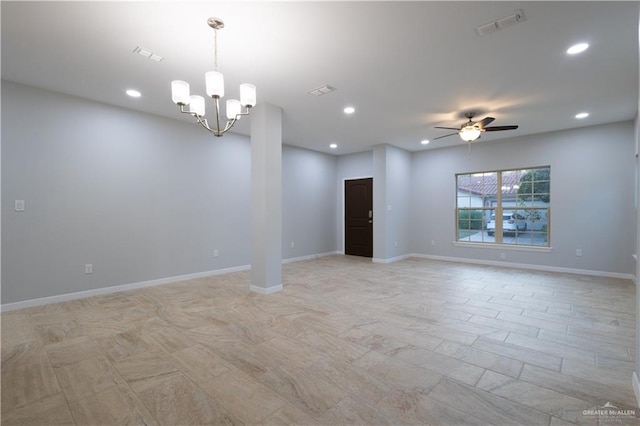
[(133, 93), (349, 110), (582, 115), (577, 48), (333, 146), (425, 142)]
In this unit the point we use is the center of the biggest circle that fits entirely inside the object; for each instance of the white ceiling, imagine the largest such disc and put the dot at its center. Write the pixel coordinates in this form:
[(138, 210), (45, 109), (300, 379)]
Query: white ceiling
[(405, 66)]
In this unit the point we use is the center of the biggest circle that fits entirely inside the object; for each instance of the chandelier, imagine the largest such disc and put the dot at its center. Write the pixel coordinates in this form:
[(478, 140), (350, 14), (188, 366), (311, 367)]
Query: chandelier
[(214, 83)]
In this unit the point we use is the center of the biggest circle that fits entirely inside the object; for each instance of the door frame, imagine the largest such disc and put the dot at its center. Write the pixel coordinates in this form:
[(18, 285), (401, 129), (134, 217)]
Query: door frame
[(343, 220)]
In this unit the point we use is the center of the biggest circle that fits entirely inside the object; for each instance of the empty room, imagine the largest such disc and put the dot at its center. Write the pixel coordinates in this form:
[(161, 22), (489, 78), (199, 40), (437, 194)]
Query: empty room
[(319, 213)]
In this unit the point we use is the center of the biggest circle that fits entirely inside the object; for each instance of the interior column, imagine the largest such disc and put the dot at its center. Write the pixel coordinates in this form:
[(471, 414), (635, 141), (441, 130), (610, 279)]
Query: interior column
[(266, 199), (380, 194)]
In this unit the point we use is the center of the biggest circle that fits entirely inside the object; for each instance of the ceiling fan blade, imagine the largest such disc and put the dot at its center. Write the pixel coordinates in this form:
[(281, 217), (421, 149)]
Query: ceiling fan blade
[(485, 121), (448, 128), (440, 137), (499, 128)]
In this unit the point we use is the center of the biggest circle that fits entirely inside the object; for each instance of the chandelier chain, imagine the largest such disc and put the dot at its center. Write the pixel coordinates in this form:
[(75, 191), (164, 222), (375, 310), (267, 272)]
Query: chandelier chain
[(215, 49)]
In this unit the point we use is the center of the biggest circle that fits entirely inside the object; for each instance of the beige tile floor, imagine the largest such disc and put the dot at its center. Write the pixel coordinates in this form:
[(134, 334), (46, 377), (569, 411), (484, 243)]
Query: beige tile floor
[(346, 342)]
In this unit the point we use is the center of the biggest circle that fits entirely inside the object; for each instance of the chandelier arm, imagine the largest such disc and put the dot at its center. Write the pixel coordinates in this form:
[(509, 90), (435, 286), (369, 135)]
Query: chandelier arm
[(196, 116), (231, 122), (205, 124), (203, 121), (200, 121), (182, 110), (228, 126), (241, 113)]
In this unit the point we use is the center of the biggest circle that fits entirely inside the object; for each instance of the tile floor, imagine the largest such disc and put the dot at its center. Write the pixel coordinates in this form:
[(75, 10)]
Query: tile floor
[(346, 342)]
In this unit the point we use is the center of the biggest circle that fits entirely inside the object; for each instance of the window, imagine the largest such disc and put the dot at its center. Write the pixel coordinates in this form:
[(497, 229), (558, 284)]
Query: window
[(519, 199)]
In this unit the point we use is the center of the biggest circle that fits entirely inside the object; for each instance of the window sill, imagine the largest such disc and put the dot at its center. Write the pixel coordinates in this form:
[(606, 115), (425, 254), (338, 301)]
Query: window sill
[(511, 247)]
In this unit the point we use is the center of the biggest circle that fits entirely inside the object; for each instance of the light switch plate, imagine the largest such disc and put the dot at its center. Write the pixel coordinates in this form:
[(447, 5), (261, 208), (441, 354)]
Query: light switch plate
[(19, 206)]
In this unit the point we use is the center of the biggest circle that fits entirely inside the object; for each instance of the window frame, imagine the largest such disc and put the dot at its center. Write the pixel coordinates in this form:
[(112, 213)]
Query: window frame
[(497, 207)]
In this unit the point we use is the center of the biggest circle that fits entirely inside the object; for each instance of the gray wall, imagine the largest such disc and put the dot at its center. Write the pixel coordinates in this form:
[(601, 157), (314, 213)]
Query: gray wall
[(350, 166), (391, 202), (309, 202), (143, 197), (399, 198), (592, 196), (138, 196)]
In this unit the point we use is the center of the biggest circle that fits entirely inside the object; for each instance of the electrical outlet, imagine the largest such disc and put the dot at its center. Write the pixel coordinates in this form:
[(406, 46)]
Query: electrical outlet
[(88, 268), (19, 206), (433, 243), (395, 244), (292, 244), (503, 256), (578, 252), (216, 253)]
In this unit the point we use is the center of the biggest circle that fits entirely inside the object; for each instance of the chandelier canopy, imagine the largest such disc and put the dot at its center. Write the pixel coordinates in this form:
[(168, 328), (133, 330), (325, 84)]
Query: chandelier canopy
[(214, 81)]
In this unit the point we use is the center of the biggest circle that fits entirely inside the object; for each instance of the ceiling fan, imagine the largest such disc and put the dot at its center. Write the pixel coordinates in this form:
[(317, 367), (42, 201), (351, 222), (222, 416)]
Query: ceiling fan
[(471, 130)]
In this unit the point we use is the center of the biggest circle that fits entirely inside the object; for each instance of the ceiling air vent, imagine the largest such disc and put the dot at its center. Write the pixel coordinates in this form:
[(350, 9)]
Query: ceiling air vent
[(322, 90), (147, 54), (500, 24)]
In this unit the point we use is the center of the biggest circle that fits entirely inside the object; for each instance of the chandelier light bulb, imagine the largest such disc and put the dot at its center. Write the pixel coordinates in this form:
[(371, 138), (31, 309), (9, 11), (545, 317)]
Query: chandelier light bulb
[(233, 108), (214, 83), (180, 92), (196, 105), (248, 95)]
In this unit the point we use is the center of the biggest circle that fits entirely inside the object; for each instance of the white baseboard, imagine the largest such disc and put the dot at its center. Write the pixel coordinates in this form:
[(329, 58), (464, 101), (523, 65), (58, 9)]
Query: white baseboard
[(268, 290), (391, 259), (545, 268), (116, 289), (168, 280), (310, 257), (636, 388), (133, 286)]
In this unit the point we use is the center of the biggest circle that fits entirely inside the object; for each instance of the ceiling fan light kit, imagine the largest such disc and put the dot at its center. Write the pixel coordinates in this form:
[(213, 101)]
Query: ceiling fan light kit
[(469, 133), (471, 130), (214, 82)]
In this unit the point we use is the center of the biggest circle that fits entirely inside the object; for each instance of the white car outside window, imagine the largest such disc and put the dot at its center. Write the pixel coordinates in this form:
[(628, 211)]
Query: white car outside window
[(511, 222)]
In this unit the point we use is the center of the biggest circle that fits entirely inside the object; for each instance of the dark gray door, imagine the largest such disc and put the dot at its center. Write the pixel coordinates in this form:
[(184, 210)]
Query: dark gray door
[(358, 194)]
